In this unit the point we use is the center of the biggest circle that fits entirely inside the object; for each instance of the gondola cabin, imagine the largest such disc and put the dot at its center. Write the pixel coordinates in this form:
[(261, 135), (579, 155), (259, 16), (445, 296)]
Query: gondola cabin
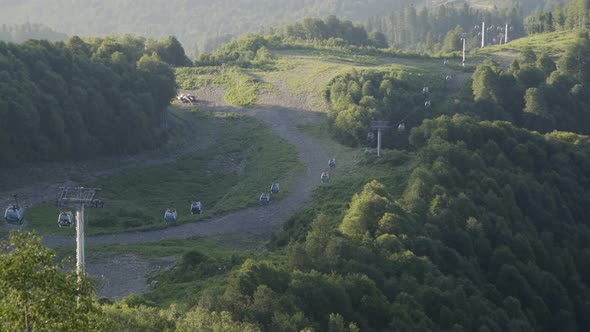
[(14, 215), (332, 162), (171, 216), (65, 219), (401, 127), (196, 207), (325, 177), (264, 199), (275, 188), (368, 152), (370, 136)]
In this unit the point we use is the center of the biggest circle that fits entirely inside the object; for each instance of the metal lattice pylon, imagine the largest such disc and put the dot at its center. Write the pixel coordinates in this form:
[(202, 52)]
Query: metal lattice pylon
[(79, 196), (379, 125)]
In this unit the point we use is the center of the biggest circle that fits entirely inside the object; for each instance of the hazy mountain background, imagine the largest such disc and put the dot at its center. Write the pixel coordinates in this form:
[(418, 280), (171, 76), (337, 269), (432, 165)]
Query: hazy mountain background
[(202, 25)]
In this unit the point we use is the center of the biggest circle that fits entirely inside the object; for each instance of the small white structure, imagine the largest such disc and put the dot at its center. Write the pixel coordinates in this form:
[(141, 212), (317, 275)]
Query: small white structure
[(275, 188), (65, 219), (196, 207), (171, 216), (264, 199)]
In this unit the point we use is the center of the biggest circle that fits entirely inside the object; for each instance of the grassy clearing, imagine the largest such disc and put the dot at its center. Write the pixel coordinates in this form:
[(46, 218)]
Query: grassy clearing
[(190, 78), (553, 43), (305, 73), (226, 177), (242, 89)]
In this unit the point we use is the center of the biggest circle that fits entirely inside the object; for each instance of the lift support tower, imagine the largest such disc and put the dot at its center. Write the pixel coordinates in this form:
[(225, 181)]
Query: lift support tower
[(379, 126), (79, 197)]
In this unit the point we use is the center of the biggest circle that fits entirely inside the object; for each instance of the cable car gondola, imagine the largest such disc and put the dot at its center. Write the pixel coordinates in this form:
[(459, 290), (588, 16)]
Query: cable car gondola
[(368, 152), (401, 127), (14, 214), (332, 162), (264, 199), (171, 216), (196, 207), (325, 177), (65, 219), (370, 136), (275, 188)]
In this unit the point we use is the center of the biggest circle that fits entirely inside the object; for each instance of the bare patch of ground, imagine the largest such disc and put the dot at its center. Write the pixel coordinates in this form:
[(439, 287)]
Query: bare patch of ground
[(233, 163), (120, 275)]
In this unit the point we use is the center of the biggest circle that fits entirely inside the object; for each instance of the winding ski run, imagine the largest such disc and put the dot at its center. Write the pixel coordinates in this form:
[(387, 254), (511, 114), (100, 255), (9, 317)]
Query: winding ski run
[(284, 113)]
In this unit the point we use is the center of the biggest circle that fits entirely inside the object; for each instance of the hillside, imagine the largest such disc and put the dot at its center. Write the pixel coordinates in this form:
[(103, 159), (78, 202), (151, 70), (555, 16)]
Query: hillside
[(199, 25), (474, 218), (191, 22)]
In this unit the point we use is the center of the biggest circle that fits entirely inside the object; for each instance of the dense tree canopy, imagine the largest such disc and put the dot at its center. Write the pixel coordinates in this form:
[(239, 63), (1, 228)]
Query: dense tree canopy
[(357, 98), (573, 15), (537, 93), (79, 98), (490, 234), (333, 31), (37, 295), (439, 28)]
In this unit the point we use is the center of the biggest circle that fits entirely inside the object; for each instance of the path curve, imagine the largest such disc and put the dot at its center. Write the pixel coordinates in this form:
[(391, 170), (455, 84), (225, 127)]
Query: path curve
[(260, 221)]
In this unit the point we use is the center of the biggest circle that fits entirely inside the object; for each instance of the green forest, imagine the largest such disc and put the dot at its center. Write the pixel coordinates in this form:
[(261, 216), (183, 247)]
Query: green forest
[(79, 98), (439, 29), (474, 219), (534, 92)]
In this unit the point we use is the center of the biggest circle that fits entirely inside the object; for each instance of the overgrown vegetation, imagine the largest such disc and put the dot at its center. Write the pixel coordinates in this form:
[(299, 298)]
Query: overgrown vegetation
[(398, 96), (76, 99), (488, 233), (536, 92), (439, 29), (573, 15)]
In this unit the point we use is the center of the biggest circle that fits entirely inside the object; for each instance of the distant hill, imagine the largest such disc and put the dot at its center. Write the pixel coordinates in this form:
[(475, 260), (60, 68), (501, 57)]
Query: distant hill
[(203, 23), (17, 33)]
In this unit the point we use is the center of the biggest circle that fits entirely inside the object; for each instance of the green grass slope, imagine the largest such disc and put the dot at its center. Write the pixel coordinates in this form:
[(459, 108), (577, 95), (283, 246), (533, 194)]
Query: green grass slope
[(225, 176)]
